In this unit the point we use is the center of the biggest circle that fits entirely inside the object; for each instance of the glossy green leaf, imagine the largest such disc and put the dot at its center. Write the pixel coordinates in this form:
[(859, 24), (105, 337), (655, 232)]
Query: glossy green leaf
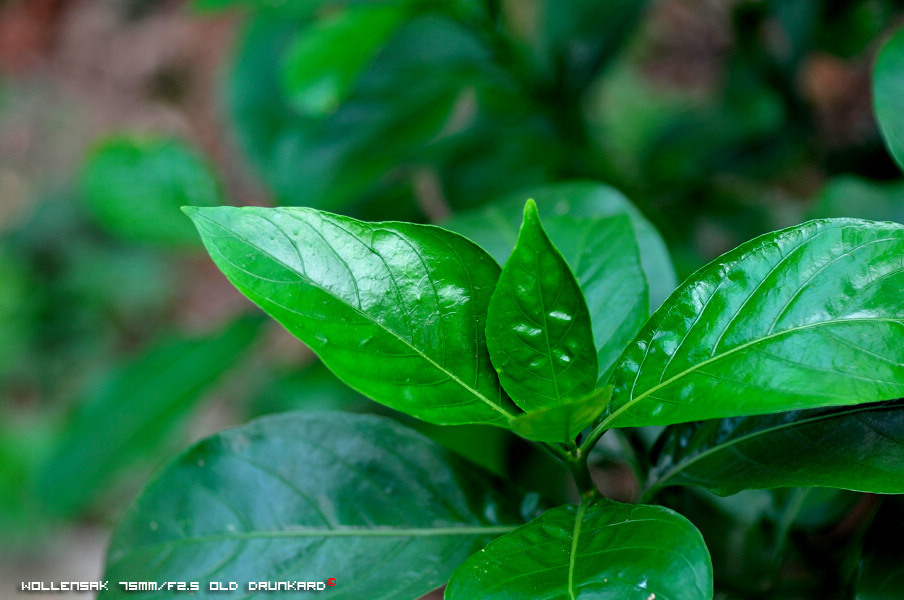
[(134, 413), (598, 550), (396, 310), (323, 64), (135, 186), (538, 326), (604, 257), (495, 228), (856, 448), (805, 317), (888, 95), (562, 422), (308, 496), (602, 252)]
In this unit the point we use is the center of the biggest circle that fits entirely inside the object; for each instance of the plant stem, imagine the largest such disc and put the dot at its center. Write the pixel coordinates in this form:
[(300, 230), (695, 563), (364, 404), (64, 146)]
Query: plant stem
[(577, 464)]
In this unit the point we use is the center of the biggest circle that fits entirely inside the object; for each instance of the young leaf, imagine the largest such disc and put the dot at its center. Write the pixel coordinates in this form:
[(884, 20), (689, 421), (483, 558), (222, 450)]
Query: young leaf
[(134, 413), (600, 549), (326, 60), (135, 187), (495, 228), (308, 496), (805, 317), (538, 326), (857, 448), (562, 422), (888, 95), (604, 256), (396, 310)]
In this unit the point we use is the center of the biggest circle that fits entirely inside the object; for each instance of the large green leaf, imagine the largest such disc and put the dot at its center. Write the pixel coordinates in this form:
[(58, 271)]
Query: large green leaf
[(805, 317), (562, 422), (599, 550), (134, 413), (856, 448), (326, 60), (308, 496), (396, 310), (888, 94), (135, 187), (538, 326)]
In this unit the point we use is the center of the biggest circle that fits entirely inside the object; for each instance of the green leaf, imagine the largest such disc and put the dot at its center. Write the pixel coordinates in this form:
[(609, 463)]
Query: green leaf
[(134, 413), (602, 252), (308, 496), (604, 257), (396, 310), (888, 95), (562, 422), (135, 186), (324, 63), (804, 317), (857, 448), (538, 327), (600, 549)]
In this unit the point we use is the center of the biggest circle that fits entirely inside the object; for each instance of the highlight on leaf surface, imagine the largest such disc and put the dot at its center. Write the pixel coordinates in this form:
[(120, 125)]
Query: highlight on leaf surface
[(804, 317), (538, 326), (599, 549), (395, 310)]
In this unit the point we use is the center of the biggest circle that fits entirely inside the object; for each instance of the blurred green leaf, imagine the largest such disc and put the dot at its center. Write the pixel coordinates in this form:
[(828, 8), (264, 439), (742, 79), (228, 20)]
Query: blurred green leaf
[(325, 61), (16, 310), (495, 228), (134, 413), (386, 512), (363, 155), (538, 326), (856, 448), (582, 36), (888, 94), (135, 186), (851, 196)]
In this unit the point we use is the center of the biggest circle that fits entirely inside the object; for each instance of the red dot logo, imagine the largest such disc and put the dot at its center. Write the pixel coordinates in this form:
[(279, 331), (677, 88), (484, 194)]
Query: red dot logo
[(331, 581)]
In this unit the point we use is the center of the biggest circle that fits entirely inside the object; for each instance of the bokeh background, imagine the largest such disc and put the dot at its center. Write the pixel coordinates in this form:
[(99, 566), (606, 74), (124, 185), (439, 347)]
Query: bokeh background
[(120, 343)]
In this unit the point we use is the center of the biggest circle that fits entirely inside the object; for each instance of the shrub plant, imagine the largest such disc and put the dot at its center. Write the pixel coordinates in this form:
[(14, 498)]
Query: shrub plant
[(784, 348)]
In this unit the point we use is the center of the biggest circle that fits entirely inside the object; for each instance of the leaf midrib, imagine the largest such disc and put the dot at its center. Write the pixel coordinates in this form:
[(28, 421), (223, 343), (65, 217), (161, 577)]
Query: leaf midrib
[(347, 532), (502, 411), (608, 420)]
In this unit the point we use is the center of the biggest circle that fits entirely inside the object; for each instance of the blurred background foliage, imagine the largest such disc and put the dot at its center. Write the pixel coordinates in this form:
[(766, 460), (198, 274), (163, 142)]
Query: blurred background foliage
[(120, 343)]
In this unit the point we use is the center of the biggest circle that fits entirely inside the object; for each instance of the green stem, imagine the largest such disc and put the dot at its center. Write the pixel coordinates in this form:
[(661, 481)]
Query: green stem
[(577, 464)]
